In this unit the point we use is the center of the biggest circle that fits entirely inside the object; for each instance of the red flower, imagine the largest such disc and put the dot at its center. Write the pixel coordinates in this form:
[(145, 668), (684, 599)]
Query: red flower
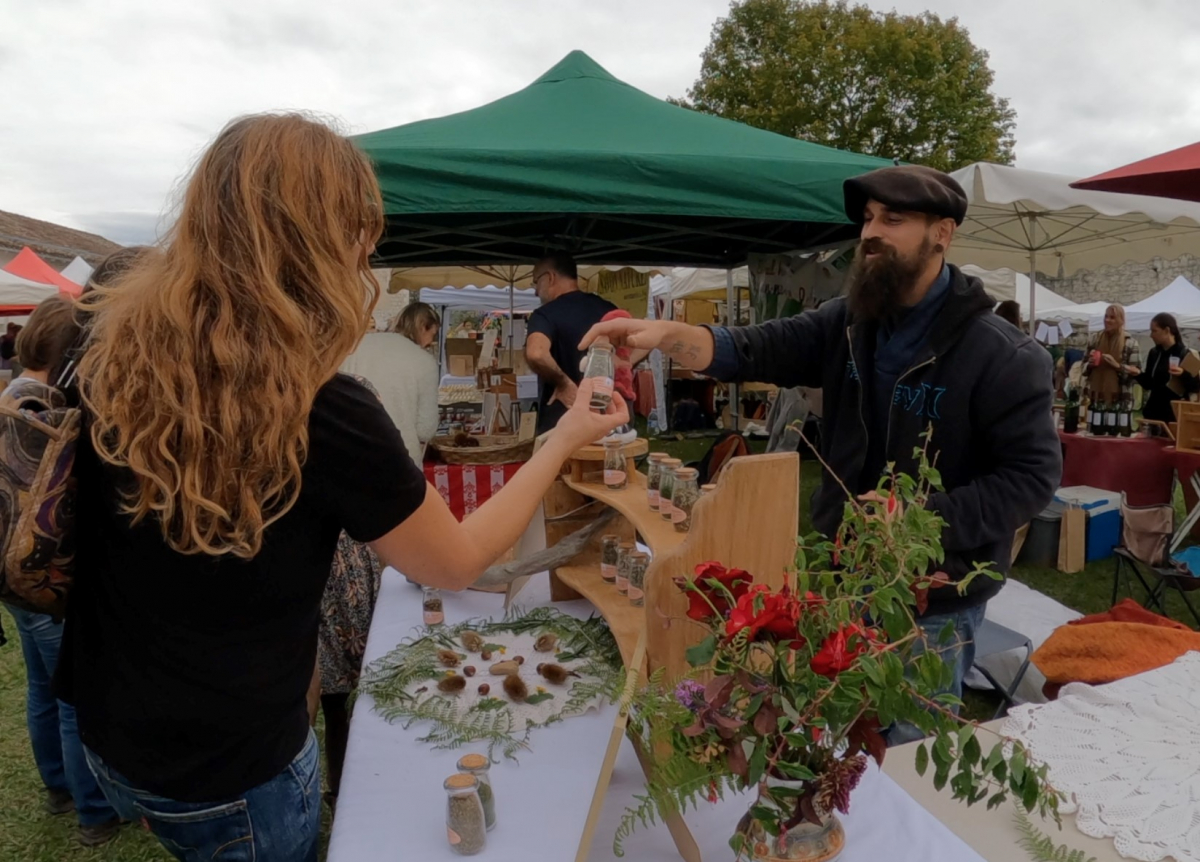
[(736, 581), (777, 619), (841, 648)]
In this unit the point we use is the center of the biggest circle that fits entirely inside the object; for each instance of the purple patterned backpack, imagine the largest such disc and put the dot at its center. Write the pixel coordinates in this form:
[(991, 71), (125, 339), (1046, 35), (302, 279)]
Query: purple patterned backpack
[(38, 437)]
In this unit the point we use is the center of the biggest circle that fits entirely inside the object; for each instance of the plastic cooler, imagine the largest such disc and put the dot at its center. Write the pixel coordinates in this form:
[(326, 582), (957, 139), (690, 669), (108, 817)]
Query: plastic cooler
[(1103, 510)]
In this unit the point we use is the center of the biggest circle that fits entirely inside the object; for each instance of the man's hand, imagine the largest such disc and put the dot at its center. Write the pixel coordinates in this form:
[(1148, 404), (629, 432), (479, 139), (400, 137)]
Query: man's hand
[(628, 332), (565, 393), (690, 346)]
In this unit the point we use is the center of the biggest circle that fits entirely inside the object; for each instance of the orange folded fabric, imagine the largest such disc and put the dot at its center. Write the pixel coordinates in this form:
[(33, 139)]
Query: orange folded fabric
[(1105, 652), (1129, 611)]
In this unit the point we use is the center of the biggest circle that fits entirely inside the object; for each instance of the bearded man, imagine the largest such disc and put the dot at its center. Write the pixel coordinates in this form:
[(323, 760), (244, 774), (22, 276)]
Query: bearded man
[(912, 345)]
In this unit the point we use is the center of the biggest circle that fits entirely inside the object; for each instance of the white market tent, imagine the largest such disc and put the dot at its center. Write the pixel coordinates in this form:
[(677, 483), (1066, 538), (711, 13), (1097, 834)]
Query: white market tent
[(1025, 219), (488, 298), (1007, 284), (15, 290), (78, 270), (1180, 298)]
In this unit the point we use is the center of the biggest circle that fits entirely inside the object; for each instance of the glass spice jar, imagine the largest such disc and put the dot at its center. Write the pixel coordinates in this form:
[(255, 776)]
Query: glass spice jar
[(666, 485), (478, 765), (639, 561), (683, 497), (624, 551), (431, 606), (705, 490), (653, 475), (600, 367), (466, 827), (610, 546), (615, 477)]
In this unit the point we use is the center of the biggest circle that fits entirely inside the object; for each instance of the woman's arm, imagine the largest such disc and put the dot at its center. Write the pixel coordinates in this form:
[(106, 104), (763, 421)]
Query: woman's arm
[(432, 547)]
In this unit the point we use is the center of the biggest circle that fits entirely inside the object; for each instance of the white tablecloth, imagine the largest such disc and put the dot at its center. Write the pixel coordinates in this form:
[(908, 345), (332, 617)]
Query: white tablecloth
[(392, 806)]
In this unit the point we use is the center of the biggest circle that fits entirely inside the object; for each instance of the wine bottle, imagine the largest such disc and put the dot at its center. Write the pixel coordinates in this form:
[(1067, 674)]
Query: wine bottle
[(1125, 420), (1110, 418)]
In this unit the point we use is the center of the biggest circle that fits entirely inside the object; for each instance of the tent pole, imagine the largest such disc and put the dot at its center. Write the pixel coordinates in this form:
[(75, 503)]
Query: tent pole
[(1032, 277), (735, 409)]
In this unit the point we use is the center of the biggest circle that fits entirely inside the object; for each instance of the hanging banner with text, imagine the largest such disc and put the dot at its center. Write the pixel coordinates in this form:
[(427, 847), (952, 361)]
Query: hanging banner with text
[(783, 286), (625, 288)]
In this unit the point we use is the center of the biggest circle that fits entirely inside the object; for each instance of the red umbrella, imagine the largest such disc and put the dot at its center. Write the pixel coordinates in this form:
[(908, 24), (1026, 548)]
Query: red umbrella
[(1170, 175)]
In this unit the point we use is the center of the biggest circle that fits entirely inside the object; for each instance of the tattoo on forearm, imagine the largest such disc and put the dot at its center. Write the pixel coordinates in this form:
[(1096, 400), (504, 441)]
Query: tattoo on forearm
[(684, 350)]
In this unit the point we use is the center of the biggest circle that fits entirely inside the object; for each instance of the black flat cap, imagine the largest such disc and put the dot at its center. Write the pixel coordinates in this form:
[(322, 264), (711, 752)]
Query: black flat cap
[(907, 188)]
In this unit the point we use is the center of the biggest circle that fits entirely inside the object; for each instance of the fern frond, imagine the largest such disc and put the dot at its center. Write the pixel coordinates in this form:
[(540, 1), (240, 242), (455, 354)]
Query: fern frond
[(1040, 846)]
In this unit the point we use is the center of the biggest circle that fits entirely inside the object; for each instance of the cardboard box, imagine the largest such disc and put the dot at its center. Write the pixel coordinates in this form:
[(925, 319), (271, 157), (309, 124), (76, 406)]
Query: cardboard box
[(462, 356), (461, 366)]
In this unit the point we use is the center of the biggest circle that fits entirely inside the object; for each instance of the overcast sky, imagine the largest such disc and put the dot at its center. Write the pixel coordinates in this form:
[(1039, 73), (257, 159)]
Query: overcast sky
[(107, 102)]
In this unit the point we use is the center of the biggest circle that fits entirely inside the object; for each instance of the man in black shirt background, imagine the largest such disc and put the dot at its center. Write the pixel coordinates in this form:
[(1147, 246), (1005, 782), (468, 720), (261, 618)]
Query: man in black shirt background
[(554, 332)]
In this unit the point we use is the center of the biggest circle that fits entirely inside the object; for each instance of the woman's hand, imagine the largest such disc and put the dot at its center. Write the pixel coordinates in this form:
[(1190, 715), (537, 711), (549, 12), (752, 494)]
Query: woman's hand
[(1110, 360), (1133, 371), (581, 426), (1174, 370)]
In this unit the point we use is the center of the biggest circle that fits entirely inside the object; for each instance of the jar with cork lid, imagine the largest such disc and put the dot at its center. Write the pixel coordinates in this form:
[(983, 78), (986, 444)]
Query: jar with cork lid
[(466, 828), (478, 765)]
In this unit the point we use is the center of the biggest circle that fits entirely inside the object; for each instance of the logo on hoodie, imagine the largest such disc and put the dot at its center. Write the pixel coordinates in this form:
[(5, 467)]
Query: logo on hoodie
[(923, 400)]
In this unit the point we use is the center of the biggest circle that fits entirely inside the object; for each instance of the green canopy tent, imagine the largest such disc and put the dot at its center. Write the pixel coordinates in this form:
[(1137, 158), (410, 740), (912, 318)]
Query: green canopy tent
[(582, 162)]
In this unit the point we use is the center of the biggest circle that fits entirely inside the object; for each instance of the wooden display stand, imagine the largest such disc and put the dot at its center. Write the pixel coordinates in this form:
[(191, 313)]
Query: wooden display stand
[(748, 522), (1187, 430)]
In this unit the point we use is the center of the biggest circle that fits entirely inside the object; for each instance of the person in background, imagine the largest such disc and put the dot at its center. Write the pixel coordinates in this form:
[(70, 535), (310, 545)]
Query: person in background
[(1113, 362), (914, 344), (554, 332), (399, 365), (1010, 310), (1162, 369), (70, 786), (222, 457)]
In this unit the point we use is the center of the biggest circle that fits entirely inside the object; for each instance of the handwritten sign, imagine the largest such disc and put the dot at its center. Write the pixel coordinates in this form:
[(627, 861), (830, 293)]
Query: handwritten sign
[(625, 288)]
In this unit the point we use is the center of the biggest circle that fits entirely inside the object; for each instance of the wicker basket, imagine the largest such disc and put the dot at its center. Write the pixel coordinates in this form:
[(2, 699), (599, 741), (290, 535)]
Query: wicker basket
[(502, 449)]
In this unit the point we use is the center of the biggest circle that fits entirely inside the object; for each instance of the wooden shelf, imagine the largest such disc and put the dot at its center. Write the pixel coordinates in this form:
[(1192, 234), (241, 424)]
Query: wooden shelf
[(630, 501), (623, 619)]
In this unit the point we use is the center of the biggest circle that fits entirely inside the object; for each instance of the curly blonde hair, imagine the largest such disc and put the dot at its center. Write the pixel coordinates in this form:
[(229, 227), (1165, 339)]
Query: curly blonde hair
[(206, 356)]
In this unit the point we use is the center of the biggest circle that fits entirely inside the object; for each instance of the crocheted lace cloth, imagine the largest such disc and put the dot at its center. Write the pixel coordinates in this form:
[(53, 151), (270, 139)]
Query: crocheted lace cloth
[(1127, 754)]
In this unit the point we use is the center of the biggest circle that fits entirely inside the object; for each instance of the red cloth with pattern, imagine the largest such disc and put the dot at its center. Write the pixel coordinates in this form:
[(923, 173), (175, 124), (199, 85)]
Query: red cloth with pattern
[(466, 487)]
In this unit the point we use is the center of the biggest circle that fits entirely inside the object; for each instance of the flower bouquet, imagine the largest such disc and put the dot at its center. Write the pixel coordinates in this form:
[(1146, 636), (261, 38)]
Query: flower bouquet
[(792, 689)]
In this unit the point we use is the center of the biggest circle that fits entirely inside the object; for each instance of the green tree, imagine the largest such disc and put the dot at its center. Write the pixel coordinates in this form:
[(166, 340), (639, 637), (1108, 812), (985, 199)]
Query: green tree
[(912, 87)]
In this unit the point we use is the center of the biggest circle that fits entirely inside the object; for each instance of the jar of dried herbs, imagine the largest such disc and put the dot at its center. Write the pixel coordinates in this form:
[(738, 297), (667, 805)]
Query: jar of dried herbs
[(666, 485), (610, 545), (431, 606), (683, 497), (653, 475), (466, 828), (478, 765), (638, 563), (624, 550), (615, 477)]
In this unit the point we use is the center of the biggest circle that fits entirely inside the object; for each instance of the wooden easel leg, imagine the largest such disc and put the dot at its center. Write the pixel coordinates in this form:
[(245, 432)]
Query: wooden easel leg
[(689, 851)]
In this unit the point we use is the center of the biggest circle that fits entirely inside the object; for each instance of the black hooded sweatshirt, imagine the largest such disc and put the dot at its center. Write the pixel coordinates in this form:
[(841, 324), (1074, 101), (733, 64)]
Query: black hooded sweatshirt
[(983, 386)]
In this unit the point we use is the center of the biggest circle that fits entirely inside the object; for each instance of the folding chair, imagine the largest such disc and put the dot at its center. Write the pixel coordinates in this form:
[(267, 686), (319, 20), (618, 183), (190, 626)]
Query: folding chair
[(1148, 547), (992, 638)]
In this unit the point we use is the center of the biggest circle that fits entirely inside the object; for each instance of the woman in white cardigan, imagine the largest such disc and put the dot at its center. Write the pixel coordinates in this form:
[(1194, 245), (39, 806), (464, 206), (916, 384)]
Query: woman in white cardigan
[(404, 372)]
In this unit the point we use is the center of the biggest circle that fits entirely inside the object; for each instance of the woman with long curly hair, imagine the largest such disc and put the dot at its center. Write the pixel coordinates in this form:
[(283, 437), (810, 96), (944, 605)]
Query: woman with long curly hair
[(223, 457)]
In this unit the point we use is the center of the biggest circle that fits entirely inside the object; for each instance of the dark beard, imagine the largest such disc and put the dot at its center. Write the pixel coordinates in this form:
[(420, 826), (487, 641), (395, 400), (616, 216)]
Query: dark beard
[(875, 288)]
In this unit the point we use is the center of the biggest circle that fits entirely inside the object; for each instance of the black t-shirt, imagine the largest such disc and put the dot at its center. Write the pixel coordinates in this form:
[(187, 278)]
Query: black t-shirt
[(565, 321), (189, 673)]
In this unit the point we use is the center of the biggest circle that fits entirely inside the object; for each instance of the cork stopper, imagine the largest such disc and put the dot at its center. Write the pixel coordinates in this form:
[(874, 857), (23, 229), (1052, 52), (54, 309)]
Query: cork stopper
[(672, 463), (658, 456), (472, 762), (707, 489), (627, 546), (461, 781), (687, 473)]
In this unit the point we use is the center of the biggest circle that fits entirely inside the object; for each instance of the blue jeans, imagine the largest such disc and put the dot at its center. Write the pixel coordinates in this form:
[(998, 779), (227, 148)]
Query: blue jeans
[(52, 729), (277, 821), (959, 652)]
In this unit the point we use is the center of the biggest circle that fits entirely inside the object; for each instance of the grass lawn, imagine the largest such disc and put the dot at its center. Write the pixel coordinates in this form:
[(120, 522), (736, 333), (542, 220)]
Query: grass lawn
[(27, 834)]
